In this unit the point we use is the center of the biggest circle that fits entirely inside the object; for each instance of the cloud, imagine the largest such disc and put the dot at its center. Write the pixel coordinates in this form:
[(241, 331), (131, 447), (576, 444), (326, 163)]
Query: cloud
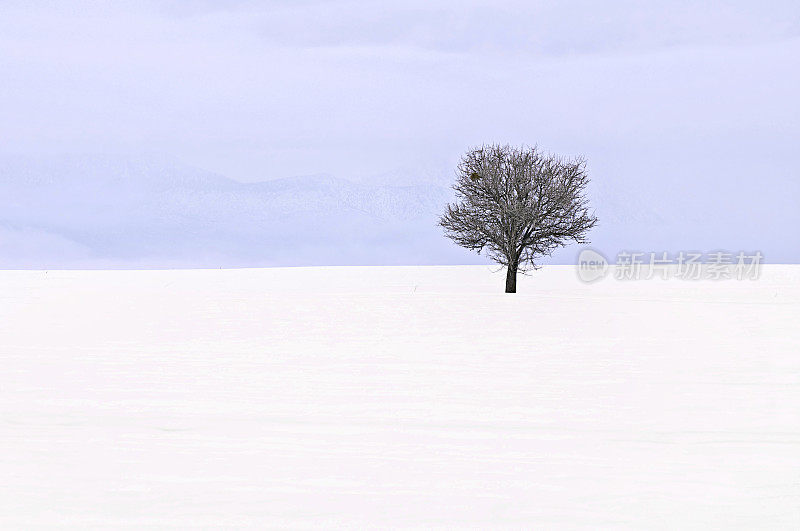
[(258, 90), (577, 26)]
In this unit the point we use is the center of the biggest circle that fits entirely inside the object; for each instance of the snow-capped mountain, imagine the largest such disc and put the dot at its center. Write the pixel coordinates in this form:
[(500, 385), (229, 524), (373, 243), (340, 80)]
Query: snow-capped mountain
[(148, 212)]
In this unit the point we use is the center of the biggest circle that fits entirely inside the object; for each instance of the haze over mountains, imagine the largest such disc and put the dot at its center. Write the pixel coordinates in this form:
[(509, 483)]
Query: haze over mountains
[(152, 212), (107, 211)]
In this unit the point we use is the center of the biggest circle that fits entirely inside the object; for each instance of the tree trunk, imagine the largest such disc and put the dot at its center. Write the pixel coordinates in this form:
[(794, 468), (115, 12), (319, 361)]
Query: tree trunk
[(511, 278)]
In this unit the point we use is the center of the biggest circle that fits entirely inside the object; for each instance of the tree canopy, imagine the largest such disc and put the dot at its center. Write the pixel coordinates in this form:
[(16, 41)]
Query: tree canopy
[(517, 204)]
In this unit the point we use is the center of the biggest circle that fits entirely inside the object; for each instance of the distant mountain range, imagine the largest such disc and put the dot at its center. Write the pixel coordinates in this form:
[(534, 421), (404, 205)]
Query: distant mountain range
[(147, 212)]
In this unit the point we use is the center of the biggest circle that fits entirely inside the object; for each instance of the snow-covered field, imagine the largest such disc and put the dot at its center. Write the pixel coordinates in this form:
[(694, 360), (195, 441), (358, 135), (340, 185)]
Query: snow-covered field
[(397, 397)]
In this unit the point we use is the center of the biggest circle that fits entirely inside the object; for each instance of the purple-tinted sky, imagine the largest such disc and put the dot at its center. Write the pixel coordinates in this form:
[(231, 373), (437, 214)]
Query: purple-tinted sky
[(259, 90), (687, 112)]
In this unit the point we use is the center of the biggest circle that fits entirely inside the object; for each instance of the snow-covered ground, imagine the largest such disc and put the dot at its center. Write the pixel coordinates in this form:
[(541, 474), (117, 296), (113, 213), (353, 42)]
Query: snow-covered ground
[(397, 396)]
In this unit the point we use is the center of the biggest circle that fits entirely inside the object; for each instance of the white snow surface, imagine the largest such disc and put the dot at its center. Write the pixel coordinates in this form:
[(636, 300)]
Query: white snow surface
[(375, 397)]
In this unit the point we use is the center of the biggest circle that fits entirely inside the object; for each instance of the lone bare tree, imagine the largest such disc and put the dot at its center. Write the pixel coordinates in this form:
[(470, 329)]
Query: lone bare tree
[(518, 204)]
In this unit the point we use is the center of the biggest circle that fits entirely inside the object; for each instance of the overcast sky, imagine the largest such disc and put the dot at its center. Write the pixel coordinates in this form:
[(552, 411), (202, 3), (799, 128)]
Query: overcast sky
[(259, 90)]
